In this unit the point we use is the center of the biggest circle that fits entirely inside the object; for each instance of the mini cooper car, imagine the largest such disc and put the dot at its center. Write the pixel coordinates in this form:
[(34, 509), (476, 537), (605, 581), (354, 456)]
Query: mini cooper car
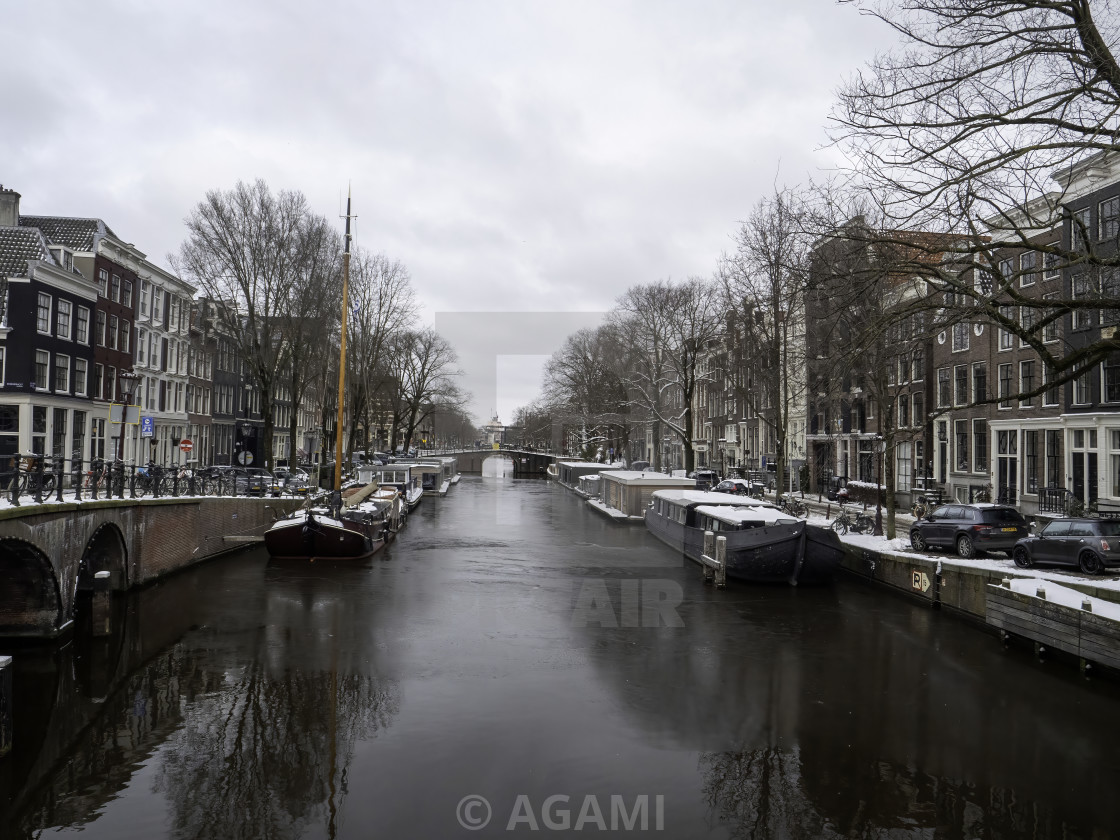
[(1090, 544)]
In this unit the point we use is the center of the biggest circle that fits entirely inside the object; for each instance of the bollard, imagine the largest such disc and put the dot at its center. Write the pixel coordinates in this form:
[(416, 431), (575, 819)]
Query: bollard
[(1040, 593), (721, 557), (709, 549), (1087, 605), (1005, 583), (102, 603), (5, 705)]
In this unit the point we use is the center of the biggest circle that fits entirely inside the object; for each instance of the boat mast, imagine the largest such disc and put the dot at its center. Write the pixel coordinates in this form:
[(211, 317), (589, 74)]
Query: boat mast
[(342, 354)]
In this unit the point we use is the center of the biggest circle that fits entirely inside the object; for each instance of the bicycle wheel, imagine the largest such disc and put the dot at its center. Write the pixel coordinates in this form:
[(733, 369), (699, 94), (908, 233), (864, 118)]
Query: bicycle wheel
[(840, 525)]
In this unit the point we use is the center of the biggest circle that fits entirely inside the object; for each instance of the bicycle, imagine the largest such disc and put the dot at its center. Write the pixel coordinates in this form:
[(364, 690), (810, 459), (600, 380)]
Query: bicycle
[(793, 506), (29, 480), (860, 523)]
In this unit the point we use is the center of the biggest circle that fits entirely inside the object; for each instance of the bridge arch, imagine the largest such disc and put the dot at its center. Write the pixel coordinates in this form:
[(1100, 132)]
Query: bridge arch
[(105, 551), (29, 585)]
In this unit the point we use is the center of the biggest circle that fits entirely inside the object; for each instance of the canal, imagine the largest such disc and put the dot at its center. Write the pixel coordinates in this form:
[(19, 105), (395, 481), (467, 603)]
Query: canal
[(517, 660)]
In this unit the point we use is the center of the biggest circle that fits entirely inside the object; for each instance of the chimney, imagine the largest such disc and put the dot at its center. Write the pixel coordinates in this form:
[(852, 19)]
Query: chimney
[(9, 207)]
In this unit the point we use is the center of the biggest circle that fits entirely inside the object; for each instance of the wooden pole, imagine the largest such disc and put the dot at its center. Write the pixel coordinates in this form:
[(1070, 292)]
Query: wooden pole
[(342, 353)]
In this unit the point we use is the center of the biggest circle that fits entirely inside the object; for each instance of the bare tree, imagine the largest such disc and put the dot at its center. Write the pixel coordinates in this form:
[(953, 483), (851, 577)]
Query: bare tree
[(764, 282), (423, 368), (248, 250), (960, 130)]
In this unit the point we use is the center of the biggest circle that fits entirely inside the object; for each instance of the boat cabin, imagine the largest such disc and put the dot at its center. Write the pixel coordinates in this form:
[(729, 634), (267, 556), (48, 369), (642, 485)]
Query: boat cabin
[(630, 491), (719, 511), (570, 471)]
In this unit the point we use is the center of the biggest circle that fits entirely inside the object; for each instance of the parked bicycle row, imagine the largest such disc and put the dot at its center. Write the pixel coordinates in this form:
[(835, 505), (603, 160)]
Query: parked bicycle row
[(34, 478)]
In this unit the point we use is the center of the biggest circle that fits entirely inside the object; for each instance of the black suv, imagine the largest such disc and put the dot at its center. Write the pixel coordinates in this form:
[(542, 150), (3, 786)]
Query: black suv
[(969, 529), (1090, 544)]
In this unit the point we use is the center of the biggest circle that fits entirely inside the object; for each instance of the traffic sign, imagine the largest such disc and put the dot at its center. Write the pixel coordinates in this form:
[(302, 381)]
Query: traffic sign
[(186, 445), (147, 427), (920, 581), (244, 457)]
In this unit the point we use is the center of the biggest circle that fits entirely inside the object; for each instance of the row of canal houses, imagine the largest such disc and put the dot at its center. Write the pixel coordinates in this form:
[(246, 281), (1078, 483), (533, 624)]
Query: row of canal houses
[(1037, 453), (79, 306)]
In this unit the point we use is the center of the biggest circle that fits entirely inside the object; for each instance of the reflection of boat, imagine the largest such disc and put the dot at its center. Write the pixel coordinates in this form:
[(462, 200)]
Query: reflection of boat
[(553, 470), (316, 534), (764, 545)]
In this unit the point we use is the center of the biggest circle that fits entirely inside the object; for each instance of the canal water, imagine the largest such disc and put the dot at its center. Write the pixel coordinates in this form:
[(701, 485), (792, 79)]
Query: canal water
[(515, 665)]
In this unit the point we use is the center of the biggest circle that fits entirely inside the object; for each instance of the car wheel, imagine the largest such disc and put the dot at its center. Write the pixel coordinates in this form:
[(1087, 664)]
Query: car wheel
[(965, 547), (1090, 563), (1021, 557), (917, 541)]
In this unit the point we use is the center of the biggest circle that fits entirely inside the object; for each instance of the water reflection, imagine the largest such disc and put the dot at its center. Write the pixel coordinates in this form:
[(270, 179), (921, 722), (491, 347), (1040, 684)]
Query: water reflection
[(497, 466)]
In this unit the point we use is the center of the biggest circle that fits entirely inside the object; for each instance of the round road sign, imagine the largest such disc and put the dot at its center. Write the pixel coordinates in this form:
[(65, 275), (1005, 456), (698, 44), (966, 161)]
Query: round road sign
[(186, 445)]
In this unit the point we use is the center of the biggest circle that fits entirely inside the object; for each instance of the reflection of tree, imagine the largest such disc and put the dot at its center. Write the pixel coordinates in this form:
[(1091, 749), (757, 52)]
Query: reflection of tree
[(265, 756), (758, 793)]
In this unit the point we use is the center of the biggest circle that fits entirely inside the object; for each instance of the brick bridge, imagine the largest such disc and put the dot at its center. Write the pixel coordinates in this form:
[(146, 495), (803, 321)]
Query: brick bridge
[(49, 552), (525, 463)]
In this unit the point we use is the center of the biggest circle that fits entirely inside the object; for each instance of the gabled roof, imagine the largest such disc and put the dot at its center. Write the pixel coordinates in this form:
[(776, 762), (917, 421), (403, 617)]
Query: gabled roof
[(17, 246), (75, 234)]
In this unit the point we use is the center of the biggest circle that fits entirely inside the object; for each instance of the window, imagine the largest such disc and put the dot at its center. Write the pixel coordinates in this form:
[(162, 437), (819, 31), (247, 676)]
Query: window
[(1007, 452), (126, 336), (1006, 339), (1080, 230), (1081, 393), (1055, 475), (1082, 289), (98, 381), (81, 377), (3, 372), (42, 369), (903, 370), (145, 295), (62, 319), (1026, 383), (141, 334), (960, 337), (43, 314), (1114, 460), (1030, 461), (960, 376), (918, 365), (1110, 379), (979, 382), (980, 445), (904, 471), (1051, 396), (157, 302), (1005, 386), (111, 385), (1050, 331), (113, 331), (126, 294), (919, 409), (115, 286), (1028, 265), (903, 410), (102, 283), (960, 431), (1051, 267), (1028, 317), (100, 328), (61, 373), (944, 388), (1108, 218), (82, 336)]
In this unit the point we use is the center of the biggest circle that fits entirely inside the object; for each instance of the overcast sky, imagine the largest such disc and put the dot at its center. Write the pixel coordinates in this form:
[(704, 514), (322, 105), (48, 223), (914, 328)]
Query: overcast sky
[(517, 156)]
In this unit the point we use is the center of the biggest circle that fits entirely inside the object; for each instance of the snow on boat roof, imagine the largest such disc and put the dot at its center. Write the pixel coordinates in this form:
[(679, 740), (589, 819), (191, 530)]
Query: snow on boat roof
[(737, 515), (650, 477), (702, 497), (590, 464)]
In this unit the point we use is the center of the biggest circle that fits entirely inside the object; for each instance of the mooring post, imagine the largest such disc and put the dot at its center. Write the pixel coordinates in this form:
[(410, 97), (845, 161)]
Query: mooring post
[(102, 603), (721, 558), (5, 705), (709, 551)]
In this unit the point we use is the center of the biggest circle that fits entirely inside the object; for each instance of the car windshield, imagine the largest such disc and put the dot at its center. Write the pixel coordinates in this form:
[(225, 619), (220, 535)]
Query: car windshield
[(1009, 515)]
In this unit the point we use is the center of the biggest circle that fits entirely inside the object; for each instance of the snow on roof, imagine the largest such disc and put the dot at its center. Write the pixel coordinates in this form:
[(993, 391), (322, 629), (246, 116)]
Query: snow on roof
[(590, 464), (701, 497), (737, 515), (650, 477)]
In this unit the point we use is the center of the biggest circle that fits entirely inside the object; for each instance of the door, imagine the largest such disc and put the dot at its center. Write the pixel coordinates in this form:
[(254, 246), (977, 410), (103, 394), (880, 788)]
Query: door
[(1050, 544)]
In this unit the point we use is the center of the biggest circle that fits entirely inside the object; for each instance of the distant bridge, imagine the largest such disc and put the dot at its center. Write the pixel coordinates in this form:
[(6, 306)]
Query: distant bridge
[(526, 462)]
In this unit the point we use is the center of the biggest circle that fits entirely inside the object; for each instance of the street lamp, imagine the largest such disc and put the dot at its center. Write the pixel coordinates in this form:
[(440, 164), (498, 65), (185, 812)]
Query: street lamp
[(127, 388), (880, 446)]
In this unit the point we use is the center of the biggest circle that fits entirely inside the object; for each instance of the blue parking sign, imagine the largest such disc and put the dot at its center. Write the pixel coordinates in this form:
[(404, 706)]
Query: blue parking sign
[(147, 427)]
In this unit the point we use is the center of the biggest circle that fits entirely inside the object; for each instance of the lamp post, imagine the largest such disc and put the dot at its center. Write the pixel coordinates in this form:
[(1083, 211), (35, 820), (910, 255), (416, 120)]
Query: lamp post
[(128, 382), (880, 447)]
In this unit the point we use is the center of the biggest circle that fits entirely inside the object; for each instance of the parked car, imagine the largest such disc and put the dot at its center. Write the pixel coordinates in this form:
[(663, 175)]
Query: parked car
[(1090, 544), (252, 481), (970, 529), (736, 486), (639, 466), (706, 479), (295, 482)]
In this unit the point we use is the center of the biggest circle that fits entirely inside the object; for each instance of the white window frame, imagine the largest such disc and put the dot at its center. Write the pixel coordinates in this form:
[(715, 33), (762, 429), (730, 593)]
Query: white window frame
[(43, 322), (58, 358), (58, 313), (81, 381), (83, 323), (39, 355)]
